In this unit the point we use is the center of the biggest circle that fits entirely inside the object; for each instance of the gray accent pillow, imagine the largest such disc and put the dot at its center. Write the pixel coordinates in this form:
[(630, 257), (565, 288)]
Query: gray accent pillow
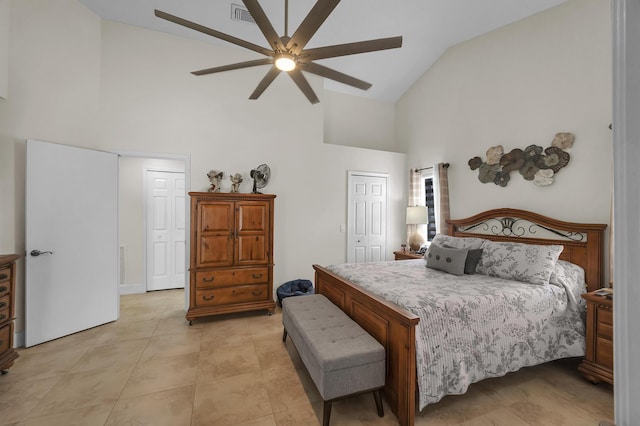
[(528, 263), (446, 259), (473, 257)]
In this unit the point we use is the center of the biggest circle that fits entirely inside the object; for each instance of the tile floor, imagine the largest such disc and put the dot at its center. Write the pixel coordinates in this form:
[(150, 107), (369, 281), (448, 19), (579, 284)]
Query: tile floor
[(151, 368)]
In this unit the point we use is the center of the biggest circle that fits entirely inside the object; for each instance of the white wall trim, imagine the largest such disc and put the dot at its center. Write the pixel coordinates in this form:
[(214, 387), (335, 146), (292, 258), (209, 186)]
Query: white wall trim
[(132, 288)]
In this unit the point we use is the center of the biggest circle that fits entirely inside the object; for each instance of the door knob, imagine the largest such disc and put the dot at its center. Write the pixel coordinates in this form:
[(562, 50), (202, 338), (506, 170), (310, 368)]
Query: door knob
[(35, 253)]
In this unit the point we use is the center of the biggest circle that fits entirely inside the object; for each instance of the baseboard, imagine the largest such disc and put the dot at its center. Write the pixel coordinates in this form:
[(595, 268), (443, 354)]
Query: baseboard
[(18, 340), (132, 288)]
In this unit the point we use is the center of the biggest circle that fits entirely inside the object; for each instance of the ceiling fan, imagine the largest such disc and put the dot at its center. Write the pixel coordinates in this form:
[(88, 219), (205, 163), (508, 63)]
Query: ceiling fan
[(288, 54)]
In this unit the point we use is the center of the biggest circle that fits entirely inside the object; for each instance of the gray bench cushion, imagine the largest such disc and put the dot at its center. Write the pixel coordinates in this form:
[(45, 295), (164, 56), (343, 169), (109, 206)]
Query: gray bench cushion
[(341, 357)]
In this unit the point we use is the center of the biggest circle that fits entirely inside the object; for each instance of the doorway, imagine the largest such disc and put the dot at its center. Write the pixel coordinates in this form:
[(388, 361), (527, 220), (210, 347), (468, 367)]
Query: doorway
[(142, 267), (367, 216)]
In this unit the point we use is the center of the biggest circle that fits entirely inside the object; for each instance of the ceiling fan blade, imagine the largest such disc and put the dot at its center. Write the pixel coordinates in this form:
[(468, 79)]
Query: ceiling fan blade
[(266, 81), (351, 48), (239, 65), (323, 71), (258, 15), (316, 16), (213, 33), (304, 85)]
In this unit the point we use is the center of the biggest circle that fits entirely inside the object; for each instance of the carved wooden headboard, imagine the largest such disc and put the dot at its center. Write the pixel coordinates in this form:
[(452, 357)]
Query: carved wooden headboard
[(583, 243)]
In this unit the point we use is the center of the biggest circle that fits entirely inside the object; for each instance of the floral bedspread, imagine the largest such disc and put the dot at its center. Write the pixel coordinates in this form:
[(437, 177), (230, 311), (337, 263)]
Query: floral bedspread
[(474, 327)]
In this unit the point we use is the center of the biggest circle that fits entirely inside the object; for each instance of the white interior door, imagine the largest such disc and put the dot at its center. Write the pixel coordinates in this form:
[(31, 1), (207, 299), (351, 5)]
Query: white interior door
[(72, 212), (165, 230), (367, 217)]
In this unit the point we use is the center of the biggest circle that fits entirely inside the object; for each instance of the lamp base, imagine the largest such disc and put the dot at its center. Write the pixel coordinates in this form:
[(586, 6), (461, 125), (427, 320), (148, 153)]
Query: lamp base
[(416, 240)]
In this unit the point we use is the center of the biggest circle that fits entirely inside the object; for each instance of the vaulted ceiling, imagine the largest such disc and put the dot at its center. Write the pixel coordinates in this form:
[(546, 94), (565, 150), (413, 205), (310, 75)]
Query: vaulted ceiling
[(428, 27)]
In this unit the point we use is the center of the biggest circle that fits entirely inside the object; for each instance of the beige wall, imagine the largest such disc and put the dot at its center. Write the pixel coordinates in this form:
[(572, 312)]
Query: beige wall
[(516, 86), (359, 122), (79, 81)]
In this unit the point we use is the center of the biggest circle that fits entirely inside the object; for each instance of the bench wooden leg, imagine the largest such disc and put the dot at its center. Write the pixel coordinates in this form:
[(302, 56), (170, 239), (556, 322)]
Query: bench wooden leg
[(284, 335), (377, 396), (326, 413)]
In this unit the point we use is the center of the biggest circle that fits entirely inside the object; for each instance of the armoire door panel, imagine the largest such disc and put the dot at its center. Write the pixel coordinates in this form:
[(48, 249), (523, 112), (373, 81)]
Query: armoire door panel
[(252, 249), (252, 217), (216, 217), (215, 250)]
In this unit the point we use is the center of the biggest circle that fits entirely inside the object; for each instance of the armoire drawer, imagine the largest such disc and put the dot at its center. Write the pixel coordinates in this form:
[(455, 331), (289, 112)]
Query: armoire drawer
[(231, 295), (5, 338), (231, 277), (5, 281)]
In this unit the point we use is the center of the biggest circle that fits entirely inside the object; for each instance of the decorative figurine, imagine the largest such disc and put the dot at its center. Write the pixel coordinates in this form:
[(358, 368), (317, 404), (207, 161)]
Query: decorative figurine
[(215, 177), (235, 182)]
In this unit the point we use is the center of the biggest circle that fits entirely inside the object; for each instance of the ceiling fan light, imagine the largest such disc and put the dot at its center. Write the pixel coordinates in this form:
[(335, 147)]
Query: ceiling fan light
[(285, 62)]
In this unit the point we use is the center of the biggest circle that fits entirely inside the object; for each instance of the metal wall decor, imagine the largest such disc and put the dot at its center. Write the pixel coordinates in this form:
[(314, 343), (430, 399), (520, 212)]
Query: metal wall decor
[(534, 163)]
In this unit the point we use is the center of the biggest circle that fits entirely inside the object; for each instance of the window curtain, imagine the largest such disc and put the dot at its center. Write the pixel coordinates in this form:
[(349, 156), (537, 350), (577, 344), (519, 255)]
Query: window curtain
[(441, 189), (416, 195)]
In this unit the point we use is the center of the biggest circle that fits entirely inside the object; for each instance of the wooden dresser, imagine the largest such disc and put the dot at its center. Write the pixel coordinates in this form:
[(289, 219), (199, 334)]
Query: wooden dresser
[(598, 359), (7, 310), (231, 268)]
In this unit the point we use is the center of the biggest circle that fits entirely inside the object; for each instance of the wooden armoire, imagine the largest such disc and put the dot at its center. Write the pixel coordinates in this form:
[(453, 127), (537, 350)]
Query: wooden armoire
[(231, 268)]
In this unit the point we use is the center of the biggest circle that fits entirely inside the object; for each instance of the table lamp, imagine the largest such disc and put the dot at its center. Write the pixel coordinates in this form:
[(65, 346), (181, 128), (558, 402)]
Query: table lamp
[(417, 215)]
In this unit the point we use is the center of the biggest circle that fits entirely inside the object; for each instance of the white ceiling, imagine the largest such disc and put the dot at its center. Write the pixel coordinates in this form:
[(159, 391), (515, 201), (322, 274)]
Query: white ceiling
[(428, 27)]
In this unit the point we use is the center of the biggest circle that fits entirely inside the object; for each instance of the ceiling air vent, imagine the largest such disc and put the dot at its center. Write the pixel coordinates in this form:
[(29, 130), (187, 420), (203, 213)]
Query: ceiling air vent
[(239, 13)]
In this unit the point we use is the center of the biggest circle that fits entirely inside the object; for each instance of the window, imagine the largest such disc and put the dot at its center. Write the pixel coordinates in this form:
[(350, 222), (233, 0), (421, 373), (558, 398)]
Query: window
[(429, 198)]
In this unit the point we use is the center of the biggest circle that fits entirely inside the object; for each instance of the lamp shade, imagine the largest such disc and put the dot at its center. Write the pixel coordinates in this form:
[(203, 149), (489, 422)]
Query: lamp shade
[(417, 215)]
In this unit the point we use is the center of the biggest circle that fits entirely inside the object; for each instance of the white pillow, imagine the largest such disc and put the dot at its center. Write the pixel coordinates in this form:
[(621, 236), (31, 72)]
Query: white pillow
[(457, 242), (529, 263)]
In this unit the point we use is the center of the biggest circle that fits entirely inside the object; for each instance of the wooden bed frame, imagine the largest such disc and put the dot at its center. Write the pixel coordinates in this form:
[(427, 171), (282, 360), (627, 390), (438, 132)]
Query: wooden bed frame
[(394, 327)]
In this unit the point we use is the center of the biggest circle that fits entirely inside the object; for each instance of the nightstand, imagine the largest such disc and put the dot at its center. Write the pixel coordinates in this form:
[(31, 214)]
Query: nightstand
[(404, 255), (598, 359)]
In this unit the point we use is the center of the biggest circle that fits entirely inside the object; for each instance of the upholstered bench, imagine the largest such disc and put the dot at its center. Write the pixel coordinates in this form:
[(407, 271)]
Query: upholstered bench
[(340, 356)]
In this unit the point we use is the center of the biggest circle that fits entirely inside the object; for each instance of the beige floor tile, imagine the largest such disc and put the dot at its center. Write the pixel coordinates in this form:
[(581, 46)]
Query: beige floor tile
[(175, 325), (455, 409), (88, 416), (160, 374), (82, 390), (286, 391), (172, 344), (42, 364), (131, 330), (227, 361), (18, 399), (225, 329), (501, 416), (122, 355), (231, 401), (297, 418), (170, 408), (549, 408), (262, 421)]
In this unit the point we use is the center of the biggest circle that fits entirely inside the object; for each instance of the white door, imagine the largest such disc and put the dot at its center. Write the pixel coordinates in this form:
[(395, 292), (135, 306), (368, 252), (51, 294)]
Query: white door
[(165, 230), (72, 218), (367, 217)]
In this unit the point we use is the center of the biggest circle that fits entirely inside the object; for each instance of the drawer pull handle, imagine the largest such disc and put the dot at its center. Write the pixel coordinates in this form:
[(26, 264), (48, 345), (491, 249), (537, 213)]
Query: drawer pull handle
[(3, 289), (208, 297), (257, 275), (3, 317), (4, 276), (1, 342), (3, 304), (209, 279), (257, 292)]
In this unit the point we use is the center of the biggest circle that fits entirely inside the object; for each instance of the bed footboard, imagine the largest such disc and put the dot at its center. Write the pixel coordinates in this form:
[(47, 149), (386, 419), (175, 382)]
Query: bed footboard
[(391, 325)]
